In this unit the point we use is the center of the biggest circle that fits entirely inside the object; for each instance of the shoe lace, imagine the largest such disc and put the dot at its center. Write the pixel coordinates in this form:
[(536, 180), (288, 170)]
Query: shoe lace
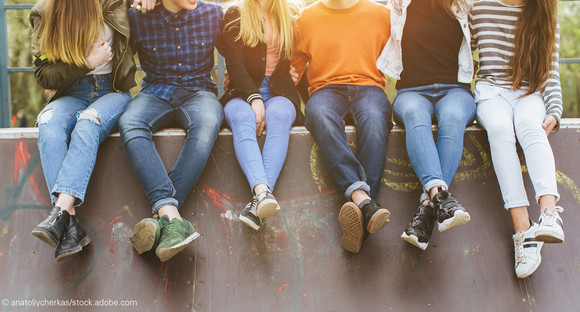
[(549, 216), (167, 228), (519, 248), (254, 206)]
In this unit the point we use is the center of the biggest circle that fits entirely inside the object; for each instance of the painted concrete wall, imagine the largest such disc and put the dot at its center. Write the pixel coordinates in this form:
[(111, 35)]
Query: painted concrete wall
[(295, 262)]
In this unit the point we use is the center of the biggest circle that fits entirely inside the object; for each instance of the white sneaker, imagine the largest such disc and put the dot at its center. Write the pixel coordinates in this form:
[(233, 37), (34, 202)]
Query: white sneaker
[(550, 226), (527, 251)]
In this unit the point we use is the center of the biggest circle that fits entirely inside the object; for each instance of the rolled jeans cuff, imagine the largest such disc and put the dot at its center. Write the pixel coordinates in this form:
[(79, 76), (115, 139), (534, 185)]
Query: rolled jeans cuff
[(434, 183), (163, 202), (359, 185)]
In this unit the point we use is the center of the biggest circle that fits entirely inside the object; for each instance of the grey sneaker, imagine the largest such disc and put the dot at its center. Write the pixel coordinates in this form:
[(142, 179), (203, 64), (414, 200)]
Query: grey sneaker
[(147, 234), (550, 226), (249, 215), (527, 251), (267, 205), (175, 236)]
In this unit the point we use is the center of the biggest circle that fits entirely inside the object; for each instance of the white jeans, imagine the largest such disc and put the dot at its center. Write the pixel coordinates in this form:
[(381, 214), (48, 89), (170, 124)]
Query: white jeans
[(505, 116)]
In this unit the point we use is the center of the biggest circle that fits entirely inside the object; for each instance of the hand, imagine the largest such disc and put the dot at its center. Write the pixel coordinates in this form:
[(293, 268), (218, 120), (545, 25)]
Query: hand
[(226, 85), (475, 68), (49, 92), (143, 5), (549, 123), (99, 54), (260, 112), (293, 74)]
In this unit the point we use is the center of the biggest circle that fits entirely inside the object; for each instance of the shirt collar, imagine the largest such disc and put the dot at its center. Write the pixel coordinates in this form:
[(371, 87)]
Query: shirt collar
[(171, 17)]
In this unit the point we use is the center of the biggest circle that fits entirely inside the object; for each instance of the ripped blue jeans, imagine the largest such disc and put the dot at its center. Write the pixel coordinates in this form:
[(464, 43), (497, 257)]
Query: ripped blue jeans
[(70, 130)]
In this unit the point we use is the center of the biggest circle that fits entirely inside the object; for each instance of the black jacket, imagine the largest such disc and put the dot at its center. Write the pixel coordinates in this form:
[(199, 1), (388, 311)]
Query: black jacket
[(247, 68)]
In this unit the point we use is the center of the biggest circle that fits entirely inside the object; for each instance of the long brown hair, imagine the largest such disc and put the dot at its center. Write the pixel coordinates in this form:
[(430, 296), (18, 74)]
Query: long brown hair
[(67, 28), (534, 44), (446, 6)]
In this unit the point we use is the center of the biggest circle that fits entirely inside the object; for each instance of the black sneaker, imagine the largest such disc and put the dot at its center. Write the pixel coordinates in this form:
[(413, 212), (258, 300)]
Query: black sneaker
[(448, 212), (50, 230), (375, 216), (419, 229), (72, 241), (267, 204), (249, 215)]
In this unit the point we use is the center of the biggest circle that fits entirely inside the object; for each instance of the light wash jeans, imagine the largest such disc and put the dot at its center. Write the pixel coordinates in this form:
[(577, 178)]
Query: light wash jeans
[(453, 107), (199, 113), (371, 111), (264, 167), (506, 117), (68, 140)]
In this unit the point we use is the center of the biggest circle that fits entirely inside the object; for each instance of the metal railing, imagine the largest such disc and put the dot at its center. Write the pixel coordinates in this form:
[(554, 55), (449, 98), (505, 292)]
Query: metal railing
[(5, 69)]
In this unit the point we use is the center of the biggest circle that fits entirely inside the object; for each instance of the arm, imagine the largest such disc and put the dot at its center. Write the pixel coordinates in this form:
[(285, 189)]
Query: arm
[(233, 51), (299, 58), (552, 92)]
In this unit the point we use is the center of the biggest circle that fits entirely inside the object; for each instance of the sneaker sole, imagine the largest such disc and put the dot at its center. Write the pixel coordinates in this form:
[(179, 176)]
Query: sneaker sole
[(267, 208), (168, 253), (45, 236), (144, 237), (249, 223), (351, 222), (378, 220), (69, 252), (548, 236), (459, 218), (413, 240)]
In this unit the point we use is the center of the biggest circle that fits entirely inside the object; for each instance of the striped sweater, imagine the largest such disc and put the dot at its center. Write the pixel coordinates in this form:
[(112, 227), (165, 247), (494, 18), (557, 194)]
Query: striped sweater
[(492, 31)]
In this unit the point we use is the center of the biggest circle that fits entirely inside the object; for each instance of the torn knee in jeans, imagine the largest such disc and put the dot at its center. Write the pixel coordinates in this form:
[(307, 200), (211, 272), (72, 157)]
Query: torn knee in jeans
[(90, 114), (45, 116)]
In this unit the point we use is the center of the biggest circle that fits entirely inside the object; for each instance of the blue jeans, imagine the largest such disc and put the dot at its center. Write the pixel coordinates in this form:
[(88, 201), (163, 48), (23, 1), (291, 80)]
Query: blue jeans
[(265, 167), (371, 111), (199, 113), (69, 135), (454, 108)]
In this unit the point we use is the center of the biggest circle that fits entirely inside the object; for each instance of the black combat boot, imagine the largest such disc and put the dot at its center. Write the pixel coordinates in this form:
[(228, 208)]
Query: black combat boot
[(50, 230)]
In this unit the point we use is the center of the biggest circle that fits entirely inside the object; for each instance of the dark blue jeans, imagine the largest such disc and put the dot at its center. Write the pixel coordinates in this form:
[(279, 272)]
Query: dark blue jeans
[(454, 108), (199, 113), (371, 111)]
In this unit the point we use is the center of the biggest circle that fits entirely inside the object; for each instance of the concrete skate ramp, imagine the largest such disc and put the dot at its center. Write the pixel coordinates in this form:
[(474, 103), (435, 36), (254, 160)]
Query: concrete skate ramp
[(295, 262)]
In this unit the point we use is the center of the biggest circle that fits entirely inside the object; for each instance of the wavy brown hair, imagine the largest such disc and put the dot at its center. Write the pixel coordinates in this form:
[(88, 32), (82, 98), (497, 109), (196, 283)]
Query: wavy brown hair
[(67, 29), (534, 43)]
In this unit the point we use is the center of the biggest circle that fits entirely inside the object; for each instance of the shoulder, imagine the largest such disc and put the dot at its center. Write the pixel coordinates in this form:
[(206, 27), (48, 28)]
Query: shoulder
[(232, 13), (375, 8), (212, 8)]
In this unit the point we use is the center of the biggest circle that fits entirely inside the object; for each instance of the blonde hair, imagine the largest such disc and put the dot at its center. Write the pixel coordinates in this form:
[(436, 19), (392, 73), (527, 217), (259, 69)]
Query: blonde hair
[(67, 28), (252, 26)]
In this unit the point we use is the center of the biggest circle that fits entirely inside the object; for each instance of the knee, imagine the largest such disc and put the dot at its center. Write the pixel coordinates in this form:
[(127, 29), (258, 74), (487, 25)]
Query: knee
[(283, 115), (208, 122), (131, 127), (319, 117)]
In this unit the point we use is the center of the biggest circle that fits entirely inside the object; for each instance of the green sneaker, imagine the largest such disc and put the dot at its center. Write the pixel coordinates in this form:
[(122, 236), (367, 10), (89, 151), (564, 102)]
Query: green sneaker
[(175, 236), (147, 233)]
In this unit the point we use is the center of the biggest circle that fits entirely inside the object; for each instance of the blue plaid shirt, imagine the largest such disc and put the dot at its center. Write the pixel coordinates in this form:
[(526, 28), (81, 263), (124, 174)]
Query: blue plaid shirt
[(176, 49)]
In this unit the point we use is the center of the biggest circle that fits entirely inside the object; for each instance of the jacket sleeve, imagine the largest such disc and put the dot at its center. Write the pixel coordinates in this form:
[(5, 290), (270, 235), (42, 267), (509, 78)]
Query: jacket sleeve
[(233, 50), (52, 75)]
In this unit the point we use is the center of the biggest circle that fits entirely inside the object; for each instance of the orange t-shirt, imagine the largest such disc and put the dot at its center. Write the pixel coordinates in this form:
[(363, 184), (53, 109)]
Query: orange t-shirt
[(341, 46)]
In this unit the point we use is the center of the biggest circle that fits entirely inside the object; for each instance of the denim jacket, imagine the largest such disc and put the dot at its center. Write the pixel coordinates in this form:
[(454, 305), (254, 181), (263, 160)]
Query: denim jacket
[(390, 61)]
